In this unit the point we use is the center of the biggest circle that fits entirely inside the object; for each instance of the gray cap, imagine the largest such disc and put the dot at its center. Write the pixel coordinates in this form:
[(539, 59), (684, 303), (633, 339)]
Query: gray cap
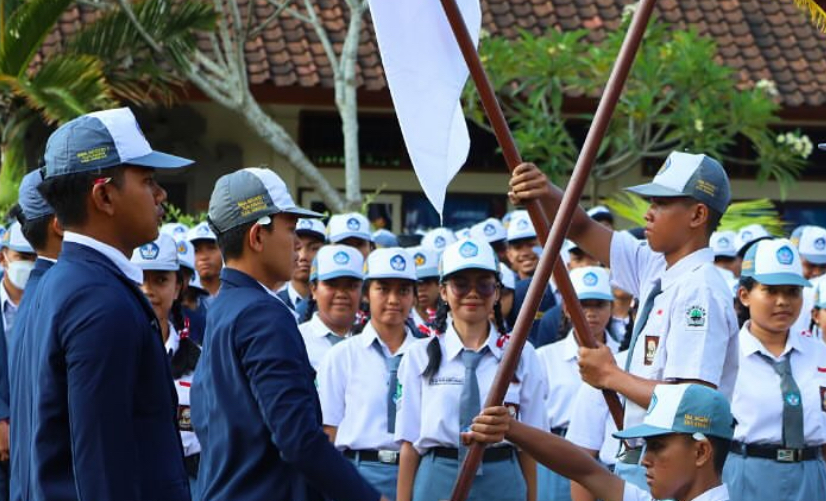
[(695, 176), (249, 194), (102, 140), (32, 203)]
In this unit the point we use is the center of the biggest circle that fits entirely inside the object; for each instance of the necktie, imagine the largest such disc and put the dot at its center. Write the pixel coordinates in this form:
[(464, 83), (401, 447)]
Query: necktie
[(392, 365), (792, 404), (642, 319), (333, 339), (469, 404)]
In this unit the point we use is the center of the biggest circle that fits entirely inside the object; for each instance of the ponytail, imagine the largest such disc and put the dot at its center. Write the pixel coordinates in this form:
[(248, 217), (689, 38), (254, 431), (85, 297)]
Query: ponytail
[(434, 350)]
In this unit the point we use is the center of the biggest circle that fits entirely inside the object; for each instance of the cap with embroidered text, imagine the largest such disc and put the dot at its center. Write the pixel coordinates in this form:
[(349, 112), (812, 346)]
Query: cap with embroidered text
[(32, 203), (774, 262), (178, 231), (686, 175), (438, 238), (248, 195), (102, 140), (391, 262), (520, 227), (201, 231), (337, 261), (812, 244), (427, 262), (723, 243), (350, 225), (159, 255), (491, 230), (685, 408), (311, 228), (468, 254), (592, 282), (14, 239)]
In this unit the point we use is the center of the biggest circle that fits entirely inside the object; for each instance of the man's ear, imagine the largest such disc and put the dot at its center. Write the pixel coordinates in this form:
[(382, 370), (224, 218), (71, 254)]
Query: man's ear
[(101, 198), (56, 227), (700, 215), (255, 239), (704, 453)]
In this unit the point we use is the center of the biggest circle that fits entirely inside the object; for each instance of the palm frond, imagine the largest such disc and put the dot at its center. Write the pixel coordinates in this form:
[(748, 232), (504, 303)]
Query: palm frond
[(24, 32), (11, 173), (632, 209), (817, 11)]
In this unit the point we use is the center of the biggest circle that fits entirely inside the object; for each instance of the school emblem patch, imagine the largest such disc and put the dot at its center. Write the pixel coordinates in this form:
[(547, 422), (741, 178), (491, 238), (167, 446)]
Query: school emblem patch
[(820, 243), (419, 259), (746, 236), (651, 345), (341, 258), (203, 230), (823, 398), (398, 262), (793, 399), (184, 420), (149, 251), (468, 250), (785, 256), (439, 242), (489, 230), (522, 224), (397, 396), (724, 243), (353, 224), (590, 279), (305, 224), (181, 248), (695, 317)]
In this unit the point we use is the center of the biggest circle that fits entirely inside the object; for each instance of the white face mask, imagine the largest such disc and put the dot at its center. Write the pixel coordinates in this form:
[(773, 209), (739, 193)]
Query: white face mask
[(18, 273)]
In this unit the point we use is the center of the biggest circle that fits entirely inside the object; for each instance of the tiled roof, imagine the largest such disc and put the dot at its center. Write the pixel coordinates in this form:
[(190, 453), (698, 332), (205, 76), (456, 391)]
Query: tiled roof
[(760, 39)]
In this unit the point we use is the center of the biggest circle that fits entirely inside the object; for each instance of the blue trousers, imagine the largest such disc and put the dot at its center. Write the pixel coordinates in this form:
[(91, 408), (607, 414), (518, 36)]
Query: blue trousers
[(551, 486), (500, 480), (382, 476), (758, 479)]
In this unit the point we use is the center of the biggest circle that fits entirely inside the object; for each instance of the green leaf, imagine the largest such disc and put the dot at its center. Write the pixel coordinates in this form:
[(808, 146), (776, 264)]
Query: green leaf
[(24, 31)]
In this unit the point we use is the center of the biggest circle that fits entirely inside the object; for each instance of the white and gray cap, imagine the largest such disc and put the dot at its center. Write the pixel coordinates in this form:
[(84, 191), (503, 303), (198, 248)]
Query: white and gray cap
[(160, 255), (491, 230), (249, 194), (724, 243)]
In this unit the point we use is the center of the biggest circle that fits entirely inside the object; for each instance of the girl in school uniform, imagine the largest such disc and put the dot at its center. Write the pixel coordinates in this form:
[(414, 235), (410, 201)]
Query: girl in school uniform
[(445, 379), (427, 288), (358, 380), (162, 284), (560, 362), (779, 398), (818, 326), (335, 286)]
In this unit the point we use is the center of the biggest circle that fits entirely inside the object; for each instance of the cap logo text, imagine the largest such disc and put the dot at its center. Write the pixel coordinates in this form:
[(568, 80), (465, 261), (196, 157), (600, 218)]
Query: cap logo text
[(92, 155), (252, 205)]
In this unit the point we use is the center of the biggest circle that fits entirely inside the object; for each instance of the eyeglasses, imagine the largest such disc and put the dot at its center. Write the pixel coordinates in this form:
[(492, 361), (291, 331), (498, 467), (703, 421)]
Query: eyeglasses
[(462, 287)]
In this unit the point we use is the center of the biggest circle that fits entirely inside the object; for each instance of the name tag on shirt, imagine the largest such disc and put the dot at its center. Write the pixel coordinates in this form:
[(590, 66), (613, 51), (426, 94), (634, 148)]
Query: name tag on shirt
[(823, 398), (184, 420), (651, 345), (446, 380)]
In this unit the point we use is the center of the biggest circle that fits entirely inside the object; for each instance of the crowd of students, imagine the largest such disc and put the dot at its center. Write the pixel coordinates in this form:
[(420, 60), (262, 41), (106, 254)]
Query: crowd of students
[(264, 354)]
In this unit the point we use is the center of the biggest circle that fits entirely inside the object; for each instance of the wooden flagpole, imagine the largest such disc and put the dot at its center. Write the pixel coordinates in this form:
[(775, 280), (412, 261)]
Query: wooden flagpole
[(552, 239)]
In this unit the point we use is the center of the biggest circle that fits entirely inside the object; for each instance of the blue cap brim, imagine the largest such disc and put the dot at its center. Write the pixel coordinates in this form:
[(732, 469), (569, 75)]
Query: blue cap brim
[(157, 267), (782, 279), (655, 190), (468, 267), (422, 273), (20, 249), (158, 160), (594, 295), (388, 276), (352, 234), (814, 258), (338, 274), (642, 431)]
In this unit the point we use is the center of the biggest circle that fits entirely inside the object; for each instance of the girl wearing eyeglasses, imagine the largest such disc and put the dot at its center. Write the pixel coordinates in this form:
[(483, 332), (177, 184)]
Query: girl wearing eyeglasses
[(445, 380)]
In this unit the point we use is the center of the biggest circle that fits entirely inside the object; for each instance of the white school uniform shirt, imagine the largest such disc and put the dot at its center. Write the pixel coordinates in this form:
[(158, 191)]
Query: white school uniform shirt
[(182, 386), (352, 388), (674, 345), (804, 321), (592, 426), (318, 345), (428, 411), (560, 361), (758, 401), (634, 493)]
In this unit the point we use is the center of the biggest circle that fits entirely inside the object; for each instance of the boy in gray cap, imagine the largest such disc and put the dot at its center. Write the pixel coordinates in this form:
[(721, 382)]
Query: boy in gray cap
[(685, 329), (255, 408), (92, 389)]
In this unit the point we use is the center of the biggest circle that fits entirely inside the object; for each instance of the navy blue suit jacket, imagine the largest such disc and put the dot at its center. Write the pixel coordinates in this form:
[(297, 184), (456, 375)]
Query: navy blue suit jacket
[(520, 292), (255, 408), (94, 405)]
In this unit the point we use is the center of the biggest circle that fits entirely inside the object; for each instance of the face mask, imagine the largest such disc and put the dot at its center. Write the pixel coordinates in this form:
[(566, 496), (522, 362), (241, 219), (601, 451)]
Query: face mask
[(18, 273)]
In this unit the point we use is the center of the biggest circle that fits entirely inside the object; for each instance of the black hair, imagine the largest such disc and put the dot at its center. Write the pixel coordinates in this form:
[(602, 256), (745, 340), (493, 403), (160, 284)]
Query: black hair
[(625, 342), (564, 327), (186, 358), (36, 230), (231, 241), (713, 222), (67, 194), (720, 448), (743, 313)]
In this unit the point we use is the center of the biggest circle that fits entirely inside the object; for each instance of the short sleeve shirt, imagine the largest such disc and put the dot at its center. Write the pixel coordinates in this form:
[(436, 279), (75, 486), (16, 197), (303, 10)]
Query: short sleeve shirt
[(634, 493), (692, 330)]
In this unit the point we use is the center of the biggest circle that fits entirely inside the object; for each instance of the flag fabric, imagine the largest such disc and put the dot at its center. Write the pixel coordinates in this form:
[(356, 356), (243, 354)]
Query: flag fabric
[(426, 73)]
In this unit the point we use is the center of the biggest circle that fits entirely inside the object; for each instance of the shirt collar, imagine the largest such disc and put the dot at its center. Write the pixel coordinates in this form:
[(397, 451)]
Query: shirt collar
[(5, 300), (132, 271), (719, 493), (454, 345), (293, 294), (48, 259), (369, 336), (687, 264), (319, 328), (749, 344), (173, 341)]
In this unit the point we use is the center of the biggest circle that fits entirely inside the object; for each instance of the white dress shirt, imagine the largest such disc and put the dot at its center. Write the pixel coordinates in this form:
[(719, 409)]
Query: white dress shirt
[(428, 411), (673, 344), (758, 401), (352, 388), (315, 332)]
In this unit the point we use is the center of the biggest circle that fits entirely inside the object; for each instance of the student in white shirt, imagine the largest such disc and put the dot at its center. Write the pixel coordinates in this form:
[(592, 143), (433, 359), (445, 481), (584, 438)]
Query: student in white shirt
[(352, 229), (162, 284), (687, 430), (446, 378), (780, 395), (818, 325), (311, 235), (336, 287), (427, 288), (559, 360), (358, 380)]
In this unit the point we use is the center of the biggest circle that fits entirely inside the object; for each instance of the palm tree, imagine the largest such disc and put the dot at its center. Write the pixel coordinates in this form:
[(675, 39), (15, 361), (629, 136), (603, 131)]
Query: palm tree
[(106, 62), (817, 9)]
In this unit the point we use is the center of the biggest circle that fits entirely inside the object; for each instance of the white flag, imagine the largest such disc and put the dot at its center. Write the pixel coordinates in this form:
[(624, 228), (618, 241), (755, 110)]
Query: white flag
[(426, 73)]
